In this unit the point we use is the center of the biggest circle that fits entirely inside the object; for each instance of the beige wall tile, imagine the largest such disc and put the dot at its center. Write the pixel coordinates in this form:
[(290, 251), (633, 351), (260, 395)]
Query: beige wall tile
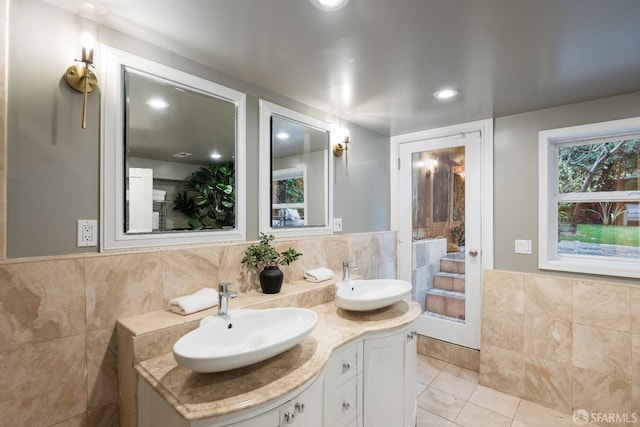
[(548, 296), (41, 301), (337, 250), (502, 328), (102, 367), (433, 348), (635, 359), (120, 286), (501, 369), (602, 305), (77, 421), (602, 350), (104, 416), (189, 270), (635, 401), (503, 290), (596, 392), (547, 338), (42, 384), (635, 310), (547, 383), (465, 357)]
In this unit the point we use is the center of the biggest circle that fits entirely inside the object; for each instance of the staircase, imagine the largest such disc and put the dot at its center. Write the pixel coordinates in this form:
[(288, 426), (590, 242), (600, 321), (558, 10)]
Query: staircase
[(446, 298)]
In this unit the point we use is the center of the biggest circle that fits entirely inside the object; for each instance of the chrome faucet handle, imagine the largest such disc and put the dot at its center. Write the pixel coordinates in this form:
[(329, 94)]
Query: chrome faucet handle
[(223, 288)]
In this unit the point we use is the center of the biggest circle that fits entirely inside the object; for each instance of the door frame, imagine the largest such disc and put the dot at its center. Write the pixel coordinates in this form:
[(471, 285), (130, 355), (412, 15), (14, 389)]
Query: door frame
[(485, 127)]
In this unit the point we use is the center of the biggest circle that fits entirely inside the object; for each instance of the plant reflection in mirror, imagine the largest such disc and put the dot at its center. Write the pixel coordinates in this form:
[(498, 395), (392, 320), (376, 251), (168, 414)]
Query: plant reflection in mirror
[(210, 197)]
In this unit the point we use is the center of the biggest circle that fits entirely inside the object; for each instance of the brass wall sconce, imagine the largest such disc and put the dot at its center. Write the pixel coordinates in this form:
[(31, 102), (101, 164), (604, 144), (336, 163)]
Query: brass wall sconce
[(81, 78), (343, 147)]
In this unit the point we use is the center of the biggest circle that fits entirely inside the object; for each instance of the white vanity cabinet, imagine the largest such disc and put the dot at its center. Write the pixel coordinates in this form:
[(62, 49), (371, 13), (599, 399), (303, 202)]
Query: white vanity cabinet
[(343, 386), (390, 379), (303, 409)]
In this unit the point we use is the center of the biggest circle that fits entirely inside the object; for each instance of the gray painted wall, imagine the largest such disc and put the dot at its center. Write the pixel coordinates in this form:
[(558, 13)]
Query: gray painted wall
[(516, 170), (53, 176)]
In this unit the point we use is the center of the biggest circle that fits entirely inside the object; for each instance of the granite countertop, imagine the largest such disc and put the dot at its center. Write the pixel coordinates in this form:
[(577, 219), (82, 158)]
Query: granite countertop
[(198, 396)]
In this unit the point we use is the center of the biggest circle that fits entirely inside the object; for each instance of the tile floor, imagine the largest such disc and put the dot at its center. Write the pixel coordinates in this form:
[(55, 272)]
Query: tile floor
[(450, 396)]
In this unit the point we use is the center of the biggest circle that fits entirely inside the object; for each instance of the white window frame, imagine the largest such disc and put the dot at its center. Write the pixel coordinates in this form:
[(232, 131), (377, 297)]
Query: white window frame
[(548, 256)]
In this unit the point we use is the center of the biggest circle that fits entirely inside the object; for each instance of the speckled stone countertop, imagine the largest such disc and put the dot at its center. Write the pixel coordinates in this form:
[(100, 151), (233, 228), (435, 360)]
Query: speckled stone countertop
[(197, 396)]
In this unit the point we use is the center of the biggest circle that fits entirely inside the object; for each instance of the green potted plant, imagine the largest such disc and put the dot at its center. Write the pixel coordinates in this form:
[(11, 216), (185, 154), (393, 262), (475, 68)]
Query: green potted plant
[(266, 258)]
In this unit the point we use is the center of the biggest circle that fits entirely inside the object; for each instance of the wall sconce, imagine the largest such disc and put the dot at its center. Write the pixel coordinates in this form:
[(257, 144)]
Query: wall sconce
[(343, 147), (81, 78)]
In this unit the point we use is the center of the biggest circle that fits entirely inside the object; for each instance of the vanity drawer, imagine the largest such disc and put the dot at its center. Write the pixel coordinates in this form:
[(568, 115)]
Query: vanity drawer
[(341, 405), (342, 366)]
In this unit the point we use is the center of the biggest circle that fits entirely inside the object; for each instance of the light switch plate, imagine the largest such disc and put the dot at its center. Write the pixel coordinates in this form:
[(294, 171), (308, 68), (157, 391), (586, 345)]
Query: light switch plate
[(337, 224), (523, 247)]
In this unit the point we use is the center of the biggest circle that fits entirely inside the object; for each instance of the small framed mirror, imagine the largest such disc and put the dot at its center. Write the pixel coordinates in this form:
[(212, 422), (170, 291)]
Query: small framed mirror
[(295, 173), (173, 156)]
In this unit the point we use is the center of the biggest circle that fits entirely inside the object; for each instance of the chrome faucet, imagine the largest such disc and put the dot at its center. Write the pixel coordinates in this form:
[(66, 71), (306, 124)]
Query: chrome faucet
[(223, 298), (346, 269)]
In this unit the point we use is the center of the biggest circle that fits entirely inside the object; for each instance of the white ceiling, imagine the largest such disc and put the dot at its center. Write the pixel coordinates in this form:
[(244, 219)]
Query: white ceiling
[(377, 62)]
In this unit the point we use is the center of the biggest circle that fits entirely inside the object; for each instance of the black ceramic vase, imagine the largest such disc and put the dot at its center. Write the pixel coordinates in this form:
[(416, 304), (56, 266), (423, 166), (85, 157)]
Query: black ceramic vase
[(271, 280)]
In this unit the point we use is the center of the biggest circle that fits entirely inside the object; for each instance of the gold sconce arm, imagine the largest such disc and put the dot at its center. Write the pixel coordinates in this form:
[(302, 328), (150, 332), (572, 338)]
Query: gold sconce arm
[(82, 79), (340, 148)]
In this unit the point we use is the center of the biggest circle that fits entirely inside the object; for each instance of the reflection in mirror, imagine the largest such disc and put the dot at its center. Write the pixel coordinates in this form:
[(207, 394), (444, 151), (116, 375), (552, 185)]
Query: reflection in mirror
[(294, 167), (173, 164), (179, 157)]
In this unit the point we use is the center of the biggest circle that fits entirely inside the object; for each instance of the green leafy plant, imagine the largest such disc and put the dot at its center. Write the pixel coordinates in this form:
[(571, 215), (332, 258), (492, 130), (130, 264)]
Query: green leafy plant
[(210, 197), (262, 254)]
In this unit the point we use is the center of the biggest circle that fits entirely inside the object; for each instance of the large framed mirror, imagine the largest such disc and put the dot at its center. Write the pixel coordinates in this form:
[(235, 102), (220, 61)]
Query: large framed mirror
[(173, 156), (295, 173)]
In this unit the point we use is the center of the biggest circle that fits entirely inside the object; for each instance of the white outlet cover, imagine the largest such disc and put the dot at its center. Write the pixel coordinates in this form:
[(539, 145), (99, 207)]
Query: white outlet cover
[(87, 232)]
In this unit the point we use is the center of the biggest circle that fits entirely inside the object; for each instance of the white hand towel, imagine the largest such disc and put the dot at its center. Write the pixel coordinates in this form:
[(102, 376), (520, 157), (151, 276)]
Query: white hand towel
[(318, 275), (204, 298)]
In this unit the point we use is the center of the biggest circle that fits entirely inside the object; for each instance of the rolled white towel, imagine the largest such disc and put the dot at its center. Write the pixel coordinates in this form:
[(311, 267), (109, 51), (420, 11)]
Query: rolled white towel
[(203, 299), (319, 274)]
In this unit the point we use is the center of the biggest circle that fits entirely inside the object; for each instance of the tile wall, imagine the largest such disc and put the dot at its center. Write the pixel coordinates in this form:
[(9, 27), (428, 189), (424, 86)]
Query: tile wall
[(564, 343), (58, 353)]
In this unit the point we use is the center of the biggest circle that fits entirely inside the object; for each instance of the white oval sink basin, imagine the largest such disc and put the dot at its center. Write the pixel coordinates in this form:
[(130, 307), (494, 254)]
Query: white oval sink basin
[(242, 338), (365, 295)]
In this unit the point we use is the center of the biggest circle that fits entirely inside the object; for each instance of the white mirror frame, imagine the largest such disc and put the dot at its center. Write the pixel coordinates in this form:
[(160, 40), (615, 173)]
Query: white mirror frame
[(267, 109), (112, 184)]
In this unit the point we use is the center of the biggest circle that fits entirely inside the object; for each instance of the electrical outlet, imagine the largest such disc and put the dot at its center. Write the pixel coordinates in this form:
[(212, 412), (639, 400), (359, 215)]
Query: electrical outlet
[(523, 247), (87, 232), (337, 224)]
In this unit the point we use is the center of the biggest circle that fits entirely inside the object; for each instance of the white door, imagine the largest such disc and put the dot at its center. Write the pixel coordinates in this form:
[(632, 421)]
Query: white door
[(439, 231)]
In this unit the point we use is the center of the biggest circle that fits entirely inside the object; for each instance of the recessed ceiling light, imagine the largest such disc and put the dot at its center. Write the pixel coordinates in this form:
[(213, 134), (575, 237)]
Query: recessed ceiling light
[(329, 5), (157, 103), (445, 93), (282, 135), (216, 156), (181, 155)]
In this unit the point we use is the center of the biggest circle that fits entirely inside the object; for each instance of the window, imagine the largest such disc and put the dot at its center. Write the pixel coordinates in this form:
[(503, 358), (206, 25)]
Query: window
[(589, 198), (288, 201)]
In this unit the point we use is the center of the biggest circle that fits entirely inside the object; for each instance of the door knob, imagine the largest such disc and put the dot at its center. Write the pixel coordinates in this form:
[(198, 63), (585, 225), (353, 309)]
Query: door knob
[(473, 253)]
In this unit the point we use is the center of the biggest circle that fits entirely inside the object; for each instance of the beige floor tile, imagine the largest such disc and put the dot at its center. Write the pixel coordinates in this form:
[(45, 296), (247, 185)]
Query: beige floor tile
[(473, 415), (453, 385), (440, 403), (499, 402), (535, 415), (429, 419), (420, 388), (428, 368), (465, 374)]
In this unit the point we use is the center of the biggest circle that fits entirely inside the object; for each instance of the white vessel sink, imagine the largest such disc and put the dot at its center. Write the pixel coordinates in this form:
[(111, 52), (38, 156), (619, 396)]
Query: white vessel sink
[(242, 337), (365, 295)]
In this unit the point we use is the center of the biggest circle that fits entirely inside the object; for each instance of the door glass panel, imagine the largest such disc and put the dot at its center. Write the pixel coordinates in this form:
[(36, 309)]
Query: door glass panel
[(438, 232)]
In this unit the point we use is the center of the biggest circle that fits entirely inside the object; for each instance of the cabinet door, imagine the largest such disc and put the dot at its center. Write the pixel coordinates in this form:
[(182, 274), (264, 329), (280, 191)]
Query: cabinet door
[(410, 368), (305, 410), (384, 381)]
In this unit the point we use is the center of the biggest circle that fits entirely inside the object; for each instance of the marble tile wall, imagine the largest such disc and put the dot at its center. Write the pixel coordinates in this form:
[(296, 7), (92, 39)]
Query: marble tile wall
[(58, 349), (564, 343)]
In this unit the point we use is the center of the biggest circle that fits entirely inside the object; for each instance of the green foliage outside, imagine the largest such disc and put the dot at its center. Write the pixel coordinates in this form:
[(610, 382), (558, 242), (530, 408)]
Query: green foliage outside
[(210, 197), (605, 234), (290, 190)]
